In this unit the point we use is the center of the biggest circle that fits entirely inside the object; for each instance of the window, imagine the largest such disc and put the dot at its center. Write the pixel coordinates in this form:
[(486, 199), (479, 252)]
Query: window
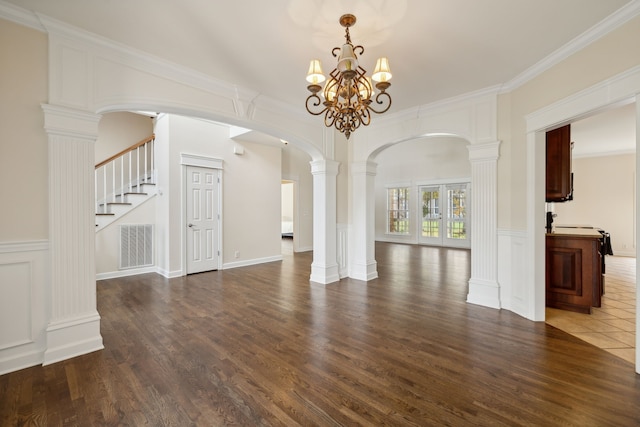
[(398, 210)]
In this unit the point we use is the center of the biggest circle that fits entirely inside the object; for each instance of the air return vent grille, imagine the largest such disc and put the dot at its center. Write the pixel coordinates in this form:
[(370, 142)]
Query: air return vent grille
[(136, 246)]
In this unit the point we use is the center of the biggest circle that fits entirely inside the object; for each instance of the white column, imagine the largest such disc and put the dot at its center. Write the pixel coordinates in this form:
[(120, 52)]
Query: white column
[(363, 264), (324, 268), (483, 284), (74, 324)]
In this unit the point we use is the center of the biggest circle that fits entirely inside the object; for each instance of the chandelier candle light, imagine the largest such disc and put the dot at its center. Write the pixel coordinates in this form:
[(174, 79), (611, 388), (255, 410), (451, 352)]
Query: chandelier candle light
[(348, 94)]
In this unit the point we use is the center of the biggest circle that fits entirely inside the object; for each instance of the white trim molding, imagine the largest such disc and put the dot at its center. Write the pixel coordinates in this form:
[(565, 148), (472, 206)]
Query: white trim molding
[(619, 88), (200, 161)]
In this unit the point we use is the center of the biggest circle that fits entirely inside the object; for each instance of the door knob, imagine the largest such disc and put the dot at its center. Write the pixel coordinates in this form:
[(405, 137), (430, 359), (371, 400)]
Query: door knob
[(190, 225)]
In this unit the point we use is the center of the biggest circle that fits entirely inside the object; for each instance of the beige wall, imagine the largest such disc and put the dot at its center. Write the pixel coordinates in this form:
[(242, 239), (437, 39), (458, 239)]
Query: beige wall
[(23, 141), (604, 196), (611, 55), (120, 130)]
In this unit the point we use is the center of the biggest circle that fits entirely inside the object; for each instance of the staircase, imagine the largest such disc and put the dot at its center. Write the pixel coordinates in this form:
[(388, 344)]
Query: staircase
[(124, 181)]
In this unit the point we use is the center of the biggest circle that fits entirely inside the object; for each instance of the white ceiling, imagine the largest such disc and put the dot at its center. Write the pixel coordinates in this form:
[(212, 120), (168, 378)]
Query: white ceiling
[(437, 49), (609, 132)]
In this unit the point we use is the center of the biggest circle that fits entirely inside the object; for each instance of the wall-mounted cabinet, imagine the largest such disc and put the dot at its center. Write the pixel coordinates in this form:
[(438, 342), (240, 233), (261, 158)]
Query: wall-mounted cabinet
[(559, 179)]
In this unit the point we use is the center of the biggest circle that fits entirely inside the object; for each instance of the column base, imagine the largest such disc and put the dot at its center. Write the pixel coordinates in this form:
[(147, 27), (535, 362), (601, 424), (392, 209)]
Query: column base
[(364, 272), (324, 274), (71, 338), (484, 292)]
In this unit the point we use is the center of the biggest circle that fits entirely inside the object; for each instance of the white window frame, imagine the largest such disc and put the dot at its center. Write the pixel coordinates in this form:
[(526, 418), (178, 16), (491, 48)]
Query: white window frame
[(407, 218)]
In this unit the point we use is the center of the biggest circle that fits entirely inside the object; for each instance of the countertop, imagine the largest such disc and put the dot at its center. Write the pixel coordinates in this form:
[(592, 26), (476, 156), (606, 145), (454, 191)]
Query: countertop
[(575, 232)]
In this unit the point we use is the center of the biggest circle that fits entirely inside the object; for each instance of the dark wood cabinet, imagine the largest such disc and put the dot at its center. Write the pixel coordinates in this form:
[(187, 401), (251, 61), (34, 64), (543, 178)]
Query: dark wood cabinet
[(574, 279), (559, 179)]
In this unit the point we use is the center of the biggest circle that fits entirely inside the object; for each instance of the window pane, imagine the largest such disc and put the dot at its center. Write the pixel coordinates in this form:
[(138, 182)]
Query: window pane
[(398, 210), (430, 213), (456, 221)]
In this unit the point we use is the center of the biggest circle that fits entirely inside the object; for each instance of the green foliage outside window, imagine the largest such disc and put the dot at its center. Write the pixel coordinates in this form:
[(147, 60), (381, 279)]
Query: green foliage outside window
[(398, 210)]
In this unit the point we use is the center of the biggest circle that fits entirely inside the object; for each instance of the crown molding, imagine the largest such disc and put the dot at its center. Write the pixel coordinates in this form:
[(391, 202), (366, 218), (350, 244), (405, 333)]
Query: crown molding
[(599, 30), (21, 16)]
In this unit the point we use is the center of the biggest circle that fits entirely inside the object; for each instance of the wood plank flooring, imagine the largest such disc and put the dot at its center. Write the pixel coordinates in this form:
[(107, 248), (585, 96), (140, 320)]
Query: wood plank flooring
[(261, 346)]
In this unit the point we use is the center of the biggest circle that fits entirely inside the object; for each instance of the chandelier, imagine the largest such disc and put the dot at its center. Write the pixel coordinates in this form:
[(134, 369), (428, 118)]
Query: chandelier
[(348, 98)]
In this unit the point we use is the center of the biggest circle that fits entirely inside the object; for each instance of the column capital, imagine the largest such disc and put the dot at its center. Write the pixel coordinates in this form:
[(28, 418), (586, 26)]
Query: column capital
[(324, 167), (484, 151), (70, 122)]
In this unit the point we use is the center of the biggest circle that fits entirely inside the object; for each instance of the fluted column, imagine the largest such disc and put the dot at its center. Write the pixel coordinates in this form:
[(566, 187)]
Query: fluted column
[(363, 264), (74, 324), (483, 284), (324, 268)]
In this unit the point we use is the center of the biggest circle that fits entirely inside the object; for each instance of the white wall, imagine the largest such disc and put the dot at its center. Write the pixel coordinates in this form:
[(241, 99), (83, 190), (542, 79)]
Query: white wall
[(604, 197), (108, 239), (250, 193), (287, 201), (295, 167), (413, 163), (116, 132), (120, 130)]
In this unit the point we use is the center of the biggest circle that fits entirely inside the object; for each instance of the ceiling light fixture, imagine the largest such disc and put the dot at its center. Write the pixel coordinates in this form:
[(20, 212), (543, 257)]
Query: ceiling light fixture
[(348, 94)]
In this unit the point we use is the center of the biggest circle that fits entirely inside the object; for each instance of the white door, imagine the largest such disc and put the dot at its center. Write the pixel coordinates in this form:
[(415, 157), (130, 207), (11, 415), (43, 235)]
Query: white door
[(444, 215), (456, 216), (202, 219), (431, 222)]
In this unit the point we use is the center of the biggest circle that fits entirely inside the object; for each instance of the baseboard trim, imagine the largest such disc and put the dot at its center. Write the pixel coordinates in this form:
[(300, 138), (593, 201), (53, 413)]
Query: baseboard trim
[(71, 338), (484, 293), (249, 262), (125, 273), (20, 361)]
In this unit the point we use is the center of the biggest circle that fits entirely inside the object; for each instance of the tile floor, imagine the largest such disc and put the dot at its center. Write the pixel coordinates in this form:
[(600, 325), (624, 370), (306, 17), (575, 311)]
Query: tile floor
[(613, 326)]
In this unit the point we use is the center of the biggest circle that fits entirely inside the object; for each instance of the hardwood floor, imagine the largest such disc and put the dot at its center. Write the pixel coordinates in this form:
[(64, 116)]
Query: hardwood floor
[(261, 346)]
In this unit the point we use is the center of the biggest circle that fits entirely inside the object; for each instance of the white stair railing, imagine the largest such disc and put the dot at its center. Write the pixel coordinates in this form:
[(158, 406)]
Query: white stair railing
[(124, 173)]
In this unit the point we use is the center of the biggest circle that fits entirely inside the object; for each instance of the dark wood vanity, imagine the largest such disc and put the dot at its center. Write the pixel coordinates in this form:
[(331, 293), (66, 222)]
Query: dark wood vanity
[(574, 269)]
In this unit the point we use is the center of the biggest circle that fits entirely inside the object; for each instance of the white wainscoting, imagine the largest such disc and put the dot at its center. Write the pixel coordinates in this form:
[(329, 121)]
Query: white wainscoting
[(512, 272), (23, 307)]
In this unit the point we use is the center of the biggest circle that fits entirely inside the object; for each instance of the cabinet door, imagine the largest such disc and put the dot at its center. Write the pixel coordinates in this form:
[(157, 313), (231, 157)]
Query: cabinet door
[(573, 270), (559, 183)]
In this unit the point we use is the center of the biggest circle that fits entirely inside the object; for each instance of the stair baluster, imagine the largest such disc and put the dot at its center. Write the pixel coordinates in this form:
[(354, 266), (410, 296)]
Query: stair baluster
[(118, 183)]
